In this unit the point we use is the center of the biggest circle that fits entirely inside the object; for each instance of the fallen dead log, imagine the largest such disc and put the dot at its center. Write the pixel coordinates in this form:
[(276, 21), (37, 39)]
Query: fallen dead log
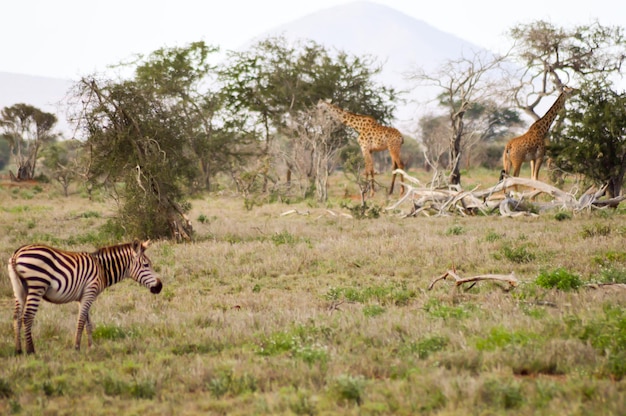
[(458, 280), (453, 199)]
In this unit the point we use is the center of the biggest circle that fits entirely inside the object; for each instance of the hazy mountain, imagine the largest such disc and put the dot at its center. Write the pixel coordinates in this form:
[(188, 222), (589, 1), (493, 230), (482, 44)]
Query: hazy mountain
[(397, 41), (47, 94)]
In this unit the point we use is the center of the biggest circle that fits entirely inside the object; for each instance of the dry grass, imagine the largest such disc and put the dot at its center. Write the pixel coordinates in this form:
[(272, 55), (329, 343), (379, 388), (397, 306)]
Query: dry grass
[(321, 314)]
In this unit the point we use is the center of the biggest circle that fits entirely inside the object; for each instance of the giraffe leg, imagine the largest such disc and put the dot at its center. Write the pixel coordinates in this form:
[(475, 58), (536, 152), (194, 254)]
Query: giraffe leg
[(369, 169), (536, 167), (397, 164)]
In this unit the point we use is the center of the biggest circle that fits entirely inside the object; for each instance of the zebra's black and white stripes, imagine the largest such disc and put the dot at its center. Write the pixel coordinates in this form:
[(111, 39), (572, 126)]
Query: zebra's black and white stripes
[(41, 272)]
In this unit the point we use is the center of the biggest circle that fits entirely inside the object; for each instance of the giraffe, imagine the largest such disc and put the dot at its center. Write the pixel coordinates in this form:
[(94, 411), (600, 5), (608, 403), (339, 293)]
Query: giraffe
[(532, 145), (373, 137)]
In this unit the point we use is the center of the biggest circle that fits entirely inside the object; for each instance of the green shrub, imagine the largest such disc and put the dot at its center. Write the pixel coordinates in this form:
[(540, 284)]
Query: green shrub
[(520, 254), (373, 310), (349, 388), (560, 279), (455, 230), (563, 215), (507, 395), (596, 230), (6, 390)]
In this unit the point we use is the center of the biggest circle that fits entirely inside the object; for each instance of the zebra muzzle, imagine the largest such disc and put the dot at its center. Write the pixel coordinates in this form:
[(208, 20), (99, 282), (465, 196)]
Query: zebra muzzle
[(157, 287)]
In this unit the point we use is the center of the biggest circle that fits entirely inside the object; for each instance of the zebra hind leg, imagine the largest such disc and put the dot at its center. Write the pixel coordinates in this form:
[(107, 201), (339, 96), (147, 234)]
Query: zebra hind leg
[(20, 290), (30, 310), (17, 325)]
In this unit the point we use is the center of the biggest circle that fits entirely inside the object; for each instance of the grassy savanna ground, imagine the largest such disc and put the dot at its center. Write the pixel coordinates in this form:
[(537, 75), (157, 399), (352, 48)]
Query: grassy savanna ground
[(322, 314)]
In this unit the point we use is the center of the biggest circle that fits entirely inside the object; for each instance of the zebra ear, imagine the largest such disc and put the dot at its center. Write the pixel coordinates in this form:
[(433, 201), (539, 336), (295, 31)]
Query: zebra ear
[(137, 246), (145, 245)]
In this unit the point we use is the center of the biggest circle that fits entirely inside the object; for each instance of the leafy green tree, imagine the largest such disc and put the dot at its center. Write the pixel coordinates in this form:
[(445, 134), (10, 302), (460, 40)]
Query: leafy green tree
[(27, 129), (143, 135), (5, 152), (593, 142), (272, 88), (60, 160)]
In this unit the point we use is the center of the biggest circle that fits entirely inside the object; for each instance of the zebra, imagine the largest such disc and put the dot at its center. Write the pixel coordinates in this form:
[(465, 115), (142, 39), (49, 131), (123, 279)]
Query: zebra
[(38, 271)]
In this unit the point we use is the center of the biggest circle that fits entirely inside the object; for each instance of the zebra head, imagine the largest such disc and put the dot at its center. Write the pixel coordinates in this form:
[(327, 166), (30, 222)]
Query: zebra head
[(140, 269)]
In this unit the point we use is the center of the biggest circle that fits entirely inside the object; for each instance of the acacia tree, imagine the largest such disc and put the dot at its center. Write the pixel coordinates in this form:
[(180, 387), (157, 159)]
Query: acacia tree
[(551, 57), (467, 84), (593, 142), (273, 85), (61, 161), (142, 133), (27, 129)]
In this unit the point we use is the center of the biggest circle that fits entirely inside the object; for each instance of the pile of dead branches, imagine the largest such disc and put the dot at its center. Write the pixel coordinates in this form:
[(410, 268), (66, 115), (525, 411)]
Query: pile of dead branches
[(498, 198)]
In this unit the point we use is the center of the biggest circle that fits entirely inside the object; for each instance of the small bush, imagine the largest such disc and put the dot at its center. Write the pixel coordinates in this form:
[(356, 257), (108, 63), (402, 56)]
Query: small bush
[(503, 395), (6, 390), (560, 279), (596, 230), (348, 388), (519, 254), (499, 338), (430, 345), (373, 310), (563, 215), (436, 309), (455, 230)]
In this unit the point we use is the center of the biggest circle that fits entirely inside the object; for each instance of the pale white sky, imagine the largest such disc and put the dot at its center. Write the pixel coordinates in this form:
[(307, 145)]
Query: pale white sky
[(71, 38)]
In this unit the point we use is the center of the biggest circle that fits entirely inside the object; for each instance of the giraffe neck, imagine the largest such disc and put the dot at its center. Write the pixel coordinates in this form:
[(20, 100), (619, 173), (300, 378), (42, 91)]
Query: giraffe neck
[(349, 119), (544, 123)]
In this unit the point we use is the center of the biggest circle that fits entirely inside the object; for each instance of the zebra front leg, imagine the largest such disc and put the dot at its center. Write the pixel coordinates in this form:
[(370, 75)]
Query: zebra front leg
[(83, 319), (89, 329)]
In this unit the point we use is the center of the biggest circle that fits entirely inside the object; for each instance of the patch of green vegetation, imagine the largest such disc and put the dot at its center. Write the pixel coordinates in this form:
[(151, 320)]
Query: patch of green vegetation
[(492, 236), (226, 382), (499, 337), (596, 230), (90, 214), (519, 254), (563, 215), (455, 230), (196, 348), (363, 211), (348, 389), (612, 275), (284, 237), (559, 279), (6, 391), (501, 394), (109, 332), (56, 386), (137, 389), (607, 334), (425, 347), (437, 309), (393, 294), (373, 310), (610, 257), (300, 342)]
